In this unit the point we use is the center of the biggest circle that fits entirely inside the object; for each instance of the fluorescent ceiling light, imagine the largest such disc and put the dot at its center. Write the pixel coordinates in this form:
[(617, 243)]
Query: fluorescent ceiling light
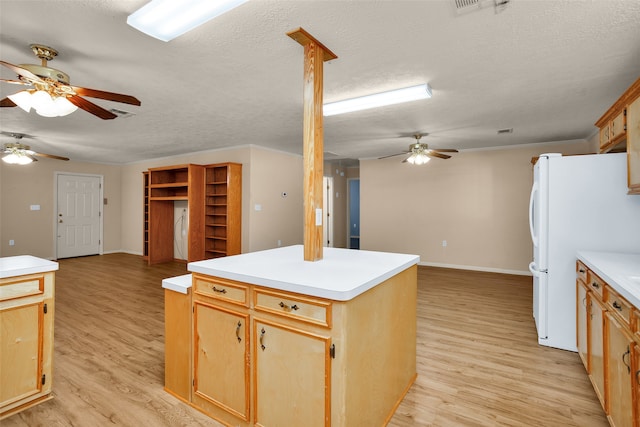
[(168, 19), (397, 96)]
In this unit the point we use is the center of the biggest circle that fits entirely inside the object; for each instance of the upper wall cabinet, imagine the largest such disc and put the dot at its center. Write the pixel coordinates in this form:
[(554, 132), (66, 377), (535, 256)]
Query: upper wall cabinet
[(620, 127)]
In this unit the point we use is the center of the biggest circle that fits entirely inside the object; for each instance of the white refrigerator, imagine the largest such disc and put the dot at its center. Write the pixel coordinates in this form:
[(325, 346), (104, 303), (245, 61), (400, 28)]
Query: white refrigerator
[(577, 203)]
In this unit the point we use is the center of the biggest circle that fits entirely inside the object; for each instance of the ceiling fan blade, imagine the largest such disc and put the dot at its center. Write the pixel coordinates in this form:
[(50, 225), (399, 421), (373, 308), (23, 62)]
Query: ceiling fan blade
[(50, 156), (92, 108), (21, 71), (445, 150), (392, 155), (431, 153), (110, 96), (6, 102), (15, 82)]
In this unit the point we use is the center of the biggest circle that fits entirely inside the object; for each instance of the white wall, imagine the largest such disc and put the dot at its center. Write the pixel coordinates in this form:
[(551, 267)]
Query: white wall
[(477, 201)]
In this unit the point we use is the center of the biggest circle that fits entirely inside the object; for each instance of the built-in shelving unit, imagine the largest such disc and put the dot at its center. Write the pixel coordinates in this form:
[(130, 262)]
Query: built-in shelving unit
[(223, 207), (166, 185), (145, 210), (214, 197)]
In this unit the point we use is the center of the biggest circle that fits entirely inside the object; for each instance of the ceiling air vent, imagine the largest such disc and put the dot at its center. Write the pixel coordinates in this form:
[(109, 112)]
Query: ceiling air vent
[(466, 5), (121, 113)]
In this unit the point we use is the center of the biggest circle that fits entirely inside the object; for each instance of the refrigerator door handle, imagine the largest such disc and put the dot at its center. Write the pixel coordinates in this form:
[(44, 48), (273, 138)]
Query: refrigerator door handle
[(534, 191), (534, 270)]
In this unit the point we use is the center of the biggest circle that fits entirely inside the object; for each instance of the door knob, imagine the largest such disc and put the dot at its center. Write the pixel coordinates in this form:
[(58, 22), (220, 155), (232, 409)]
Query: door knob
[(60, 221)]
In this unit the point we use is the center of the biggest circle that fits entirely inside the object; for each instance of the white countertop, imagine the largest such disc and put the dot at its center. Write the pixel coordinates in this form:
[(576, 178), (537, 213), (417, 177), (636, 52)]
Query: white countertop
[(178, 283), (25, 264), (620, 270), (341, 275)]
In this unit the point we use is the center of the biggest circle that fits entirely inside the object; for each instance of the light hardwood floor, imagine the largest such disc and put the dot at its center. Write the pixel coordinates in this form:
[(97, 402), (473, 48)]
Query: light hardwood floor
[(478, 360)]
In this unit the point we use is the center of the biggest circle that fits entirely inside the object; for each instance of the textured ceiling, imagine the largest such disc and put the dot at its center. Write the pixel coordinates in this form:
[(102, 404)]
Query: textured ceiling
[(547, 69)]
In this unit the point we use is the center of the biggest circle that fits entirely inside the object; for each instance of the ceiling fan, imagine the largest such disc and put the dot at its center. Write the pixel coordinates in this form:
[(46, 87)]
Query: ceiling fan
[(51, 94), (420, 153), (21, 154)]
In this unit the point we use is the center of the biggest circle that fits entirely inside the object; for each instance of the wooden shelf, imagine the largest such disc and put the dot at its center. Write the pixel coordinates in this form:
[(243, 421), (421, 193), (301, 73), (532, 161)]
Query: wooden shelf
[(223, 207)]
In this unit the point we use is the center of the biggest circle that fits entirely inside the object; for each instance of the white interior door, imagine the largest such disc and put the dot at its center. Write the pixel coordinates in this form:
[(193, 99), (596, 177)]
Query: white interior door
[(79, 215)]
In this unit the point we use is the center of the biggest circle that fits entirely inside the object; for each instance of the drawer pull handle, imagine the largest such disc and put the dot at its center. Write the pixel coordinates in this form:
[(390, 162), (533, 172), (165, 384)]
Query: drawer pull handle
[(288, 308), (581, 270), (262, 332), (638, 377), (626, 353), (584, 301), (220, 291), (238, 326), (617, 306), (595, 285)]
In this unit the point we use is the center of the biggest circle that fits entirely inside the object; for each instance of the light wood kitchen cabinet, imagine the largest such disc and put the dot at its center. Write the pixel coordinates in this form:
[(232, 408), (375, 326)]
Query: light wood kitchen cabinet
[(619, 387), (583, 310), (26, 344), (613, 361), (293, 388), (620, 130), (269, 357), (633, 144)]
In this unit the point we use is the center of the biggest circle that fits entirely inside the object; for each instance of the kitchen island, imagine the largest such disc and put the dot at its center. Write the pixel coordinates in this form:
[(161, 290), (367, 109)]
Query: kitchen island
[(26, 320), (277, 340)]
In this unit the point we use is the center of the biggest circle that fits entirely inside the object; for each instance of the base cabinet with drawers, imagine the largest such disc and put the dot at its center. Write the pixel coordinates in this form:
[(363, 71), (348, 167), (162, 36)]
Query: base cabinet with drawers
[(608, 322), (26, 344), (267, 357)]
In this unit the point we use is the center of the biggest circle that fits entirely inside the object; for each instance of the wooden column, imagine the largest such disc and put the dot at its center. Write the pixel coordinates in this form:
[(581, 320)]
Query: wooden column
[(314, 55)]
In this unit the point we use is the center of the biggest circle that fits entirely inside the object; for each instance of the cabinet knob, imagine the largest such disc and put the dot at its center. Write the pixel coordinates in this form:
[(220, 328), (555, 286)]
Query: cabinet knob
[(595, 285), (617, 306), (287, 307)]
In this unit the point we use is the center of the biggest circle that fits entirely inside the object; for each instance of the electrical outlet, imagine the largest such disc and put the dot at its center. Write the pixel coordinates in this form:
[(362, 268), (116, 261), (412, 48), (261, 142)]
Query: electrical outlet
[(444, 243), (12, 242)]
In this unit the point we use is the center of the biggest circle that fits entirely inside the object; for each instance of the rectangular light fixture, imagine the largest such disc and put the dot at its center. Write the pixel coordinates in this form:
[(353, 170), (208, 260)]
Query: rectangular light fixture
[(397, 96), (168, 19)]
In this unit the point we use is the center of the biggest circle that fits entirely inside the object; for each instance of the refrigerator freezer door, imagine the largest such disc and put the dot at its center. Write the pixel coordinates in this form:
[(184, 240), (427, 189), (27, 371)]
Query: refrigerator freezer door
[(538, 226)]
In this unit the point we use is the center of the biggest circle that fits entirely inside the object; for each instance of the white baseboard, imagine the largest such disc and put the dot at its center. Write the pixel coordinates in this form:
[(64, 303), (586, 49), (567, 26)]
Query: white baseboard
[(476, 268)]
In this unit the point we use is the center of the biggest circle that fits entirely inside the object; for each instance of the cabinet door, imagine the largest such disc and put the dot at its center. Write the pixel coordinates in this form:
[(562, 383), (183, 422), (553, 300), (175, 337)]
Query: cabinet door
[(221, 361), (581, 333), (20, 352), (633, 146), (292, 374), (619, 397), (596, 345)]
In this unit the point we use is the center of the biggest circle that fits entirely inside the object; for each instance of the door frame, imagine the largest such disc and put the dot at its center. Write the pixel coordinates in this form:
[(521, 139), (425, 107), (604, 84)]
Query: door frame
[(349, 180), (56, 175)]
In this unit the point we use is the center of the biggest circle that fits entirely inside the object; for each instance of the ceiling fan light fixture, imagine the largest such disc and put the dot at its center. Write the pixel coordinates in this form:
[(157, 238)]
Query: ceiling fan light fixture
[(168, 19), (42, 102), (22, 99), (397, 96), (418, 158), (17, 156)]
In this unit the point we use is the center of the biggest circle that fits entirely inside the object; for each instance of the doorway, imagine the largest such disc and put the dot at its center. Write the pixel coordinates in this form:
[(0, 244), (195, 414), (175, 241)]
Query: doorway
[(78, 215), (327, 211), (354, 213)]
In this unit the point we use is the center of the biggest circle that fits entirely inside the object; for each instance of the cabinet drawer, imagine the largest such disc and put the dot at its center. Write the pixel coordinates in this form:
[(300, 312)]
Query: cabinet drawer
[(18, 287), (222, 289), (581, 271), (616, 304), (595, 283), (294, 306)]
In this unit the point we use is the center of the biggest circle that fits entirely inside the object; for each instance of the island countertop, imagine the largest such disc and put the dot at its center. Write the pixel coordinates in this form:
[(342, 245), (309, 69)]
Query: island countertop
[(341, 275), (25, 264), (620, 270)]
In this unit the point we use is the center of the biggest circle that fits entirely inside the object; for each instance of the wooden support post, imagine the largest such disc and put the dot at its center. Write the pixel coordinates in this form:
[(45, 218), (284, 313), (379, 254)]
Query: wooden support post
[(314, 56)]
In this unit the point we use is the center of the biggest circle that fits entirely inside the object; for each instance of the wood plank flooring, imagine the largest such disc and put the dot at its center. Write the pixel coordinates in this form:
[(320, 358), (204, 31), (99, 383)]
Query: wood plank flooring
[(478, 360)]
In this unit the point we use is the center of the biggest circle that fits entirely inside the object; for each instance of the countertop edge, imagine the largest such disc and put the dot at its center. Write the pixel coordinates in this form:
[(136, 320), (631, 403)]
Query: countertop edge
[(595, 261), (27, 264), (336, 295)]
